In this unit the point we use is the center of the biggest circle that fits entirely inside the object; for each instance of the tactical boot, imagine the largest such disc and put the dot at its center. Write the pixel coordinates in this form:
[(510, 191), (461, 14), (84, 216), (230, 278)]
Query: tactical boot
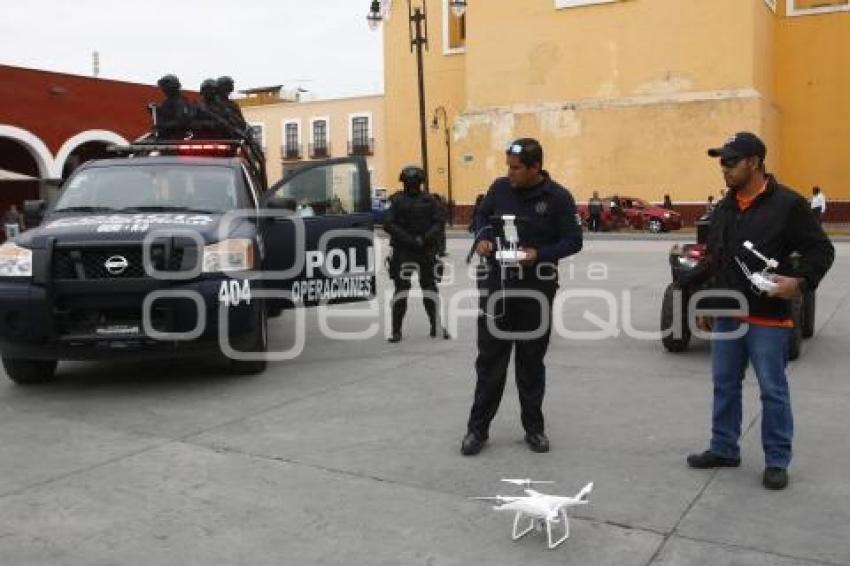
[(395, 337)]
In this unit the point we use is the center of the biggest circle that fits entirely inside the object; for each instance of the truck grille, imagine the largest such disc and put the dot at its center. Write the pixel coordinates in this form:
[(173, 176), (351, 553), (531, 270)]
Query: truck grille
[(125, 263)]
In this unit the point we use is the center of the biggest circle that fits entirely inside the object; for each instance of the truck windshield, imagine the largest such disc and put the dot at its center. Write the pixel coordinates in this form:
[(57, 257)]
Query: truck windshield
[(151, 188)]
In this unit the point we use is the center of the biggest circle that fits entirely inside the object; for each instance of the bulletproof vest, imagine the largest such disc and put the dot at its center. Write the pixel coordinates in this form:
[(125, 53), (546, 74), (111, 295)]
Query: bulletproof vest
[(173, 117), (594, 206), (415, 212)]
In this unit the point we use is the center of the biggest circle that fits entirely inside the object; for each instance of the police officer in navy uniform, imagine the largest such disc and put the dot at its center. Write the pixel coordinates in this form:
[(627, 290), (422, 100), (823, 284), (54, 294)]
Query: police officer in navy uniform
[(414, 222), (549, 229)]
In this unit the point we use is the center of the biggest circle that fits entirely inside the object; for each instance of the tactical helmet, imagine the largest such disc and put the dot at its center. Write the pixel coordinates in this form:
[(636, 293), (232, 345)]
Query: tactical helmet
[(225, 83), (169, 82), (412, 174), (209, 85)]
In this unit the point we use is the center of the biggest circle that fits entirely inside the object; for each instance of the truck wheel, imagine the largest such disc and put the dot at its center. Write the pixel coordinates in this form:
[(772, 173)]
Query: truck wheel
[(29, 372), (261, 344), (678, 339), (655, 226), (807, 324)]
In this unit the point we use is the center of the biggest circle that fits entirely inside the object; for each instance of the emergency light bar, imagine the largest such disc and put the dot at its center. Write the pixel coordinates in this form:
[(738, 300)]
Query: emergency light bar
[(223, 148)]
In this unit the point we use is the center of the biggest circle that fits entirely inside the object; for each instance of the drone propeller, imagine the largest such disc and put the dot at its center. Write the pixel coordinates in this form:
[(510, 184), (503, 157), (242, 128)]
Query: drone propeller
[(524, 482)]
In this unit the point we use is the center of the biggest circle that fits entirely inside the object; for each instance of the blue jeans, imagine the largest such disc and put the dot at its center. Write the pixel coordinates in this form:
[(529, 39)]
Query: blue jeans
[(767, 349)]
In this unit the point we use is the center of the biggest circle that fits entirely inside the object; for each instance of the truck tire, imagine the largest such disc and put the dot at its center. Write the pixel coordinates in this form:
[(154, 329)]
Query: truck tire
[(29, 372), (261, 344), (670, 341), (807, 323)]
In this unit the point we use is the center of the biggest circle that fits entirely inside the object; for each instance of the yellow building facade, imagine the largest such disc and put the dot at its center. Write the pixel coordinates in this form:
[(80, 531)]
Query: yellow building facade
[(626, 95), (293, 132)]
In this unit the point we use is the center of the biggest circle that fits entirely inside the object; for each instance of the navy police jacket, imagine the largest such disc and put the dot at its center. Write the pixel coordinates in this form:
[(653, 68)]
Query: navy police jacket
[(547, 219)]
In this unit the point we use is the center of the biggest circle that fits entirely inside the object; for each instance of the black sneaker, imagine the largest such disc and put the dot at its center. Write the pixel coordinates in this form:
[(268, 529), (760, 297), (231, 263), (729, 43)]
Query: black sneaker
[(394, 338), (775, 478), (472, 443), (537, 441), (709, 459)]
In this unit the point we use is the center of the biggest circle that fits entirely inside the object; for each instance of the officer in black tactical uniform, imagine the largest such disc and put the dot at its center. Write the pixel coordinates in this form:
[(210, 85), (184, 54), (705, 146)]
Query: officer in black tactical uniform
[(414, 222), (548, 229), (210, 120), (174, 114), (234, 113)]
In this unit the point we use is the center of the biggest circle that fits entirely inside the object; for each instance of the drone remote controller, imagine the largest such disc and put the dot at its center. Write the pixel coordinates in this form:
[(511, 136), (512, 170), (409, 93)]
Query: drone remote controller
[(762, 282)]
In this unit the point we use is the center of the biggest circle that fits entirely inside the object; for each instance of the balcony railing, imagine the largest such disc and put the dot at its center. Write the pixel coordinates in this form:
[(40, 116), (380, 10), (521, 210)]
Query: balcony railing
[(291, 152), (320, 151), (363, 146)]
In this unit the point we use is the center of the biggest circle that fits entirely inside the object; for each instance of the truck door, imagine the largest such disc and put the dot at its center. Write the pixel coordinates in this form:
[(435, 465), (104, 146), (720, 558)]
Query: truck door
[(319, 229)]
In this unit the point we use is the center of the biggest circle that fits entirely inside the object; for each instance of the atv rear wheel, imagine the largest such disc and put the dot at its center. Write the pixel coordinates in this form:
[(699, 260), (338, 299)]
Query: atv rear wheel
[(676, 333)]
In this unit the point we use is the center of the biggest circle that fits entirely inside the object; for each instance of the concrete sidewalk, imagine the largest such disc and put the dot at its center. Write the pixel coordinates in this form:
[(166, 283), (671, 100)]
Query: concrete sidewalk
[(349, 454)]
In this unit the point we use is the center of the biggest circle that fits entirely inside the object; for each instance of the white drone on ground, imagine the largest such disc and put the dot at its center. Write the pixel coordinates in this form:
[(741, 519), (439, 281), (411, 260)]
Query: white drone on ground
[(540, 509)]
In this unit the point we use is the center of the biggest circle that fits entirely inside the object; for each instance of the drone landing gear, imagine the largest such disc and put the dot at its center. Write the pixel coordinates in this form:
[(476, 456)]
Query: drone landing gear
[(538, 523)]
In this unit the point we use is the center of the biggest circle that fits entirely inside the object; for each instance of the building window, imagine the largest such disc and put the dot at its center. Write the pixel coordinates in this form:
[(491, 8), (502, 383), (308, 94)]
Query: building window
[(291, 141), (811, 7), (258, 132), (574, 3), (361, 141), (454, 30), (319, 148)]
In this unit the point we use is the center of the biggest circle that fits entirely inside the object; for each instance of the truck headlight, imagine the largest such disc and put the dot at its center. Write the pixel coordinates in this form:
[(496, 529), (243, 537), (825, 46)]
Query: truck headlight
[(229, 255), (15, 261), (667, 215)]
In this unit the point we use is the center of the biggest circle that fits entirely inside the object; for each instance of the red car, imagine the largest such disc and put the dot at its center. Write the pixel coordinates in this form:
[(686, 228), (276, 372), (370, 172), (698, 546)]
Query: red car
[(632, 212)]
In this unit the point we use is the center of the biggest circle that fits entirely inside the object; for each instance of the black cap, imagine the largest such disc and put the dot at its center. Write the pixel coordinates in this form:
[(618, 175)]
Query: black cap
[(742, 144)]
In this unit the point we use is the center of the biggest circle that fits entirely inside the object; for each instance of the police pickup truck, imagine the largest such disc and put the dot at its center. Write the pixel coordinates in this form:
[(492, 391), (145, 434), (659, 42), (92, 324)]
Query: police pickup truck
[(179, 248)]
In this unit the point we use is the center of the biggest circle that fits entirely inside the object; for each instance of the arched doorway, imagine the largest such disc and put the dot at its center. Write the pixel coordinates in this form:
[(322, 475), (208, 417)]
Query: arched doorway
[(82, 153), (16, 158), (85, 146)]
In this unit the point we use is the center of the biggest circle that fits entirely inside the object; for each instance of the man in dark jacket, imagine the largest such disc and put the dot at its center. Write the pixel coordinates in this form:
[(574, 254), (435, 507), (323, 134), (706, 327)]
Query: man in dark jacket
[(758, 214), (414, 222), (548, 229)]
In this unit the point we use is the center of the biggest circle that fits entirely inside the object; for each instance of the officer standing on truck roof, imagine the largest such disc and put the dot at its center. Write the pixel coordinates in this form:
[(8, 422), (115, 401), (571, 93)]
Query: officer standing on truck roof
[(174, 114)]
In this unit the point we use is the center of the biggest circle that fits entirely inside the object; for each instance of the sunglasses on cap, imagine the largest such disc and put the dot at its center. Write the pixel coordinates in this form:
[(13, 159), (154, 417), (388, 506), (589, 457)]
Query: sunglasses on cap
[(515, 149)]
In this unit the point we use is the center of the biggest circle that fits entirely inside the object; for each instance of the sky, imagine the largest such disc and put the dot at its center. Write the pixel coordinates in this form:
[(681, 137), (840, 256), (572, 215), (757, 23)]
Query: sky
[(324, 46)]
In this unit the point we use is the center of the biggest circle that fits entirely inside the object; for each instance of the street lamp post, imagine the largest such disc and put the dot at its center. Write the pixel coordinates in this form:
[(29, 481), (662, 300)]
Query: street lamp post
[(418, 34), (440, 112)]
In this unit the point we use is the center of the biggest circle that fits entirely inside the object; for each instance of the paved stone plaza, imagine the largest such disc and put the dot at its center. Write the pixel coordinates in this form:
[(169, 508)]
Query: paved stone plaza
[(349, 453)]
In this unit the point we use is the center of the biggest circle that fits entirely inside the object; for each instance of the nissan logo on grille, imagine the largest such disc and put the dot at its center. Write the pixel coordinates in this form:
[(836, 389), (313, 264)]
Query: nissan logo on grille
[(116, 265)]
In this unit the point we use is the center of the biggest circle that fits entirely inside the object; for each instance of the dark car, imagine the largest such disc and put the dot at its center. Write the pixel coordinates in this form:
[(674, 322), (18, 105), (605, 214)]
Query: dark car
[(634, 213), (178, 249)]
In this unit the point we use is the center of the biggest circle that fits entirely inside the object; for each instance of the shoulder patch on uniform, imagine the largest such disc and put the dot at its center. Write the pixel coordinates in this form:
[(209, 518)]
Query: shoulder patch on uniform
[(578, 218)]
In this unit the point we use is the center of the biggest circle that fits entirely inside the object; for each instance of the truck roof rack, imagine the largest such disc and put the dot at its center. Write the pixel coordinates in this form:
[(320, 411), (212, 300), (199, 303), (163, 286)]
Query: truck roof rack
[(149, 146)]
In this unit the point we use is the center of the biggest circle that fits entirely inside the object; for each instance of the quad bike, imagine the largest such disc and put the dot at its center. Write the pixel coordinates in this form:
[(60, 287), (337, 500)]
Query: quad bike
[(675, 316)]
